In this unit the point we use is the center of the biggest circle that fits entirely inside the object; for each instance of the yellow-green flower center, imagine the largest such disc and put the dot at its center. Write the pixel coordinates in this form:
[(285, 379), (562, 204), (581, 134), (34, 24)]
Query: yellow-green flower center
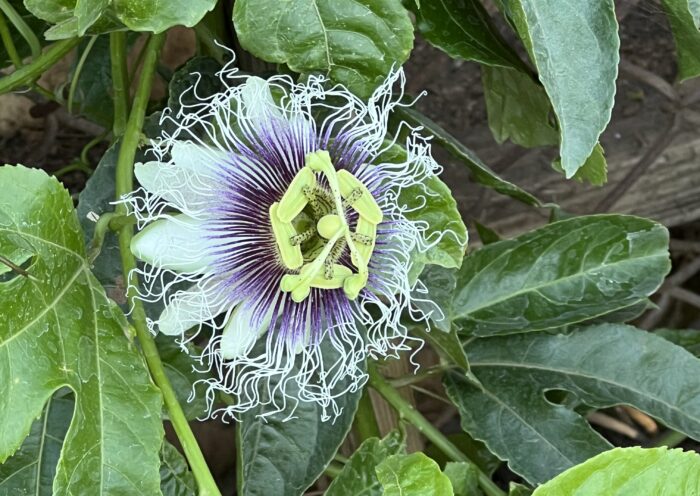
[(313, 254)]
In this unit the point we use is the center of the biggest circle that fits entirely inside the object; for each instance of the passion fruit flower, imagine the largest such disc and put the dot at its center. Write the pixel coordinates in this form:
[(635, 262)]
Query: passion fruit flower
[(273, 202)]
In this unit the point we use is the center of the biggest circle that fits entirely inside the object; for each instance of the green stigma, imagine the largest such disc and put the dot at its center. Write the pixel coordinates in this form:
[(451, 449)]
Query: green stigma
[(315, 252)]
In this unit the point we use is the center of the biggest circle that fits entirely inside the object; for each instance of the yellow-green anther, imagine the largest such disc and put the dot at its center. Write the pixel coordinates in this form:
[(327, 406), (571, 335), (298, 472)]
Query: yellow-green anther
[(354, 284), (365, 204), (300, 293), (294, 200), (329, 225), (284, 232), (369, 231)]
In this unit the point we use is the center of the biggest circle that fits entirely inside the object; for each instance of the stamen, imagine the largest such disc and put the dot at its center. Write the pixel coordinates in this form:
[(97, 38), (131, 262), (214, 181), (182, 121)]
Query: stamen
[(284, 231), (294, 199), (298, 239)]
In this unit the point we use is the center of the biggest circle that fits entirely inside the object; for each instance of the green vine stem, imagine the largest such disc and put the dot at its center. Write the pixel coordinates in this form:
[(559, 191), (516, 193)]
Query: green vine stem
[(120, 80), (20, 25), (8, 43), (78, 70), (365, 420), (124, 184), (31, 72), (408, 412)]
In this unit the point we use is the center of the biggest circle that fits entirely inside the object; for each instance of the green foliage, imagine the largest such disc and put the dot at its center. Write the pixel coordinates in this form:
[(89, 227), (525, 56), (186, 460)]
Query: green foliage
[(684, 25), (354, 42), (32, 468), (432, 202), (518, 108), (59, 330), (80, 17), (463, 29), (358, 475), (514, 372), (629, 472), (574, 46), (481, 173), (412, 475), (594, 170), (282, 455), (175, 476), (93, 88), (464, 478), (560, 274)]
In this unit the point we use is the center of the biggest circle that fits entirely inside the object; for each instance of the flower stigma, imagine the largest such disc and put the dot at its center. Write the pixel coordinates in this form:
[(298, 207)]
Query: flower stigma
[(318, 264)]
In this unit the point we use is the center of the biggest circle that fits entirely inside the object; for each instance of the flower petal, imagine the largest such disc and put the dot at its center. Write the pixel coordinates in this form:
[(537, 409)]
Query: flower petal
[(239, 334), (189, 180), (200, 303), (179, 243)]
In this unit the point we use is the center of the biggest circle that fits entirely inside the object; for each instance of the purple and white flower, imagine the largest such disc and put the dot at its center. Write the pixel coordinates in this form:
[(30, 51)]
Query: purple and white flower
[(272, 218)]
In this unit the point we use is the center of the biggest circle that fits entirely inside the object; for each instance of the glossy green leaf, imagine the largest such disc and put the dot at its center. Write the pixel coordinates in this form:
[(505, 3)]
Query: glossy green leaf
[(354, 42), (517, 108), (78, 17), (486, 234), (686, 35), (447, 345), (515, 371), (32, 468), (180, 369), (175, 476), (464, 478), (630, 472), (481, 173), (412, 475), (440, 283), (93, 90), (285, 456), (561, 274), (358, 476), (432, 202), (58, 329), (687, 338), (574, 46), (594, 170), (96, 197), (463, 29), (476, 451)]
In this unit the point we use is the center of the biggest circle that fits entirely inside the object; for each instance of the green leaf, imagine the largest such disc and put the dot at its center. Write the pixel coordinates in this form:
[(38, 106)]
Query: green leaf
[(412, 475), (58, 329), (32, 468), (481, 173), (93, 91), (486, 234), (516, 370), (686, 338), (574, 46), (432, 202), (358, 476), (561, 274), (447, 345), (96, 197), (630, 472), (476, 451), (78, 17), (354, 42), (175, 476), (515, 489), (440, 284), (284, 456), (594, 170), (463, 29), (464, 478), (684, 26), (517, 108), (179, 367)]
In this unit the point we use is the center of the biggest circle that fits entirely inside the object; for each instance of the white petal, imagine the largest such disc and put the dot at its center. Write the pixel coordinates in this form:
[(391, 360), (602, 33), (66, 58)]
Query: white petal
[(199, 303), (189, 181), (177, 243), (257, 100), (239, 336)]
